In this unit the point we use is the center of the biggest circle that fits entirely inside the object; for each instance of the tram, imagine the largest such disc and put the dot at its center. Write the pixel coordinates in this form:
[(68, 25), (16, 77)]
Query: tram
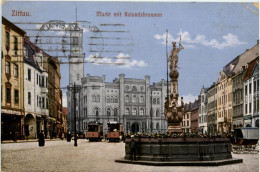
[(114, 132), (245, 140), (94, 131)]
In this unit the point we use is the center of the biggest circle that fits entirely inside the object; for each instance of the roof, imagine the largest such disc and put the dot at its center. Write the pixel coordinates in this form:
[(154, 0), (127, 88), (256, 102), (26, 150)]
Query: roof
[(228, 69), (250, 68), (13, 26)]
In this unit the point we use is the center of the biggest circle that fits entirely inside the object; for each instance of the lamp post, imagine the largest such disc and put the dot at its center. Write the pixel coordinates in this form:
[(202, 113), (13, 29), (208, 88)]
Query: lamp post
[(75, 128)]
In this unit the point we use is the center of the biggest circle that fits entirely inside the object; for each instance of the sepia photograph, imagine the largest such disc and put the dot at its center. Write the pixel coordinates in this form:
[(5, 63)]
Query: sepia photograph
[(131, 86)]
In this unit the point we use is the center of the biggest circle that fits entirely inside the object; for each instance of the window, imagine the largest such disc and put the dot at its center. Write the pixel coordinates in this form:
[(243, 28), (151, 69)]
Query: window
[(16, 96), (158, 101), (112, 99), (29, 98), (246, 108), (108, 99), (7, 39), (127, 111), (134, 98), (246, 90), (37, 101), (15, 45), (46, 82), (254, 86), (108, 111), (141, 111), (134, 111), (250, 107), (43, 81), (29, 74), (74, 40), (98, 98), (250, 85), (157, 113), (154, 100), (157, 125), (141, 88), (116, 100), (188, 123), (127, 87), (134, 88), (25, 52), (8, 95), (7, 67), (127, 98), (96, 111), (43, 102), (141, 99), (16, 70), (77, 76), (115, 112), (93, 98)]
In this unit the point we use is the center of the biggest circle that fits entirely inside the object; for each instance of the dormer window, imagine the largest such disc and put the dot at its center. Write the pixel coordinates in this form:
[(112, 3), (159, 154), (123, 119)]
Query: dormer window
[(25, 52)]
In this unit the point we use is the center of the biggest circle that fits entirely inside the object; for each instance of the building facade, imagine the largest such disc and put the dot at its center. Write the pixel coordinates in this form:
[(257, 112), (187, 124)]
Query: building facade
[(251, 90), (133, 102), (195, 115), (212, 109), (203, 128), (35, 90), (12, 81), (186, 121)]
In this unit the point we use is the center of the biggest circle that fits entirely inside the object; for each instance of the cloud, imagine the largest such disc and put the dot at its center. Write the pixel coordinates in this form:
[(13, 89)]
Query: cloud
[(121, 61), (189, 98), (230, 40)]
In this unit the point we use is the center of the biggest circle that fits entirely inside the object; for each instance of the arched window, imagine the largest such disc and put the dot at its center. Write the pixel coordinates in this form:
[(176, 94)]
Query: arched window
[(108, 99), (98, 98), (134, 111), (158, 101), (142, 88), (157, 125), (157, 113), (154, 100), (134, 88), (96, 111), (116, 100), (93, 98), (134, 98), (112, 99), (127, 111), (108, 111), (127, 98), (141, 111), (127, 87), (141, 99)]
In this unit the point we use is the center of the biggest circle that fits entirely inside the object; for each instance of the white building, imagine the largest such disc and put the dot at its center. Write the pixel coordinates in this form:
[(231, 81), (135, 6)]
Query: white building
[(203, 111), (35, 90), (251, 94), (126, 100)]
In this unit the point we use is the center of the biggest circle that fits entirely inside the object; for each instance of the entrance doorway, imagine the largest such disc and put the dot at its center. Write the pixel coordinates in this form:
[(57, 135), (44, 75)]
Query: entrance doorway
[(135, 128)]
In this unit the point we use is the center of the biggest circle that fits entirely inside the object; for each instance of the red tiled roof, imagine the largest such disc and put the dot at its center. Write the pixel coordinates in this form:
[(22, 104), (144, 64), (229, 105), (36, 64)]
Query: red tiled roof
[(250, 68)]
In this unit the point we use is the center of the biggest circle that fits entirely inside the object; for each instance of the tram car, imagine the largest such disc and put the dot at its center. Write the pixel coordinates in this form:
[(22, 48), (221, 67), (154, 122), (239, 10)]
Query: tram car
[(245, 140), (114, 132), (94, 131)]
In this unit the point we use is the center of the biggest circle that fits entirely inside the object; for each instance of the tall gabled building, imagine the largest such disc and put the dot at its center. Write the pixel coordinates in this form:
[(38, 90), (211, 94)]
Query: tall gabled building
[(12, 80)]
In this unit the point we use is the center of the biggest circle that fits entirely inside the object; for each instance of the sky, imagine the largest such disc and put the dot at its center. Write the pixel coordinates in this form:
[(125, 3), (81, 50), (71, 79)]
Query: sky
[(212, 34)]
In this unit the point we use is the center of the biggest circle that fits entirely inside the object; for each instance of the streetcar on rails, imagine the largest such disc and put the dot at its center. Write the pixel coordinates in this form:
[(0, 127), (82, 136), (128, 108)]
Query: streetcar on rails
[(94, 131), (114, 132), (245, 140)]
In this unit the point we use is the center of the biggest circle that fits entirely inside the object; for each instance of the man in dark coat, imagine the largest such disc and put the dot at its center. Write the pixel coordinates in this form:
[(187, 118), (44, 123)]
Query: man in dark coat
[(41, 138), (132, 146)]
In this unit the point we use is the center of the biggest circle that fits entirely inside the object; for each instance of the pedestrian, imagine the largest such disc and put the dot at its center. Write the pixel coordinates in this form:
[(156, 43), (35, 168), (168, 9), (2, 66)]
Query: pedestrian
[(68, 137), (123, 136), (41, 139), (132, 146)]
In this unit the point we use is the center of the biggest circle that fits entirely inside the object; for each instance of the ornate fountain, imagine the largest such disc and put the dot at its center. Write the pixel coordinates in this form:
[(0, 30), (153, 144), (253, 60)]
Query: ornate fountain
[(175, 147)]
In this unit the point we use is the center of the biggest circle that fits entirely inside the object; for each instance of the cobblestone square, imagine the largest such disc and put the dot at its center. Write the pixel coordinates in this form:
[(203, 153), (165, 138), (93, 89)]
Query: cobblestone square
[(94, 157)]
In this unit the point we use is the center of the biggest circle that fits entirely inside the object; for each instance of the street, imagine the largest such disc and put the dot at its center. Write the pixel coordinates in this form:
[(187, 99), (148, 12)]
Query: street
[(94, 156)]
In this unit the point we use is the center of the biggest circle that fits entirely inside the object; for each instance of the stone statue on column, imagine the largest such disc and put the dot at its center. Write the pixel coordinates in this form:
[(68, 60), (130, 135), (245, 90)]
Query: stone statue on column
[(174, 113)]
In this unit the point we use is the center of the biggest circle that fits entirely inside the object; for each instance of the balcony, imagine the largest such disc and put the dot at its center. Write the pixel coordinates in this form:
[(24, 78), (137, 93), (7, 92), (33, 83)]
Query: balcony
[(45, 112), (44, 90)]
